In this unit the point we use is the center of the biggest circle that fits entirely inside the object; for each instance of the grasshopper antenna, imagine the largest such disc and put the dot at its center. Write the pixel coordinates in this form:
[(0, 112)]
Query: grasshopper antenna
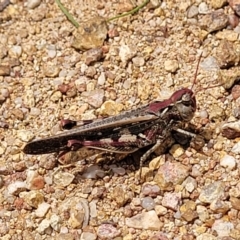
[(195, 78), (196, 72)]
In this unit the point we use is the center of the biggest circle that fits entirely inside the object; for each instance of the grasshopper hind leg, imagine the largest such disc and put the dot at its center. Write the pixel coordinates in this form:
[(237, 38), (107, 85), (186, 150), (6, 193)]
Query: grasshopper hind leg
[(148, 153)]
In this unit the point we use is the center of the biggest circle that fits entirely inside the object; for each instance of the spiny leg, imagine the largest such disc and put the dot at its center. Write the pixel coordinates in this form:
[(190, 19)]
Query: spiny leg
[(148, 153)]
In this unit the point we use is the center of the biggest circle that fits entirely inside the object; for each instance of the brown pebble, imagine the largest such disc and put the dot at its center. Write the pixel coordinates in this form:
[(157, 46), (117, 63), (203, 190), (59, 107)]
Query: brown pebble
[(93, 55), (3, 124), (236, 92), (235, 203), (233, 20), (4, 70), (63, 88), (113, 33), (235, 5), (18, 114), (72, 92), (37, 183), (230, 133), (19, 166)]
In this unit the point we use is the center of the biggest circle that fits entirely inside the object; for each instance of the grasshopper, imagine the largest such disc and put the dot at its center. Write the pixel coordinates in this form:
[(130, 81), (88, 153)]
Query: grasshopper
[(127, 132)]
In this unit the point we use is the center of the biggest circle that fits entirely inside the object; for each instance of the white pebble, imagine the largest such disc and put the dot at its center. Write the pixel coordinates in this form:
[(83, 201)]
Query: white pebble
[(63, 178), (15, 51), (16, 187), (35, 111), (101, 78), (171, 66), (148, 203), (43, 226), (33, 3), (55, 222), (52, 53), (119, 170), (203, 114), (25, 135), (228, 162), (42, 209), (93, 172), (236, 148), (203, 8)]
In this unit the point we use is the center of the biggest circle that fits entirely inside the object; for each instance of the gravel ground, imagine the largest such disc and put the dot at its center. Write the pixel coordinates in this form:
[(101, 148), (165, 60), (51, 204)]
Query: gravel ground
[(48, 71)]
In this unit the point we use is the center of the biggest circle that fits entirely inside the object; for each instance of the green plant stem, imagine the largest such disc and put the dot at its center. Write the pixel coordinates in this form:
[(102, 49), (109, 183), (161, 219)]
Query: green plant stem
[(76, 24), (134, 10), (67, 14)]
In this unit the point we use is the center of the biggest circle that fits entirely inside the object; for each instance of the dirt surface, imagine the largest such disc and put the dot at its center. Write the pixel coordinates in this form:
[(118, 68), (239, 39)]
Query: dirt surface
[(188, 193)]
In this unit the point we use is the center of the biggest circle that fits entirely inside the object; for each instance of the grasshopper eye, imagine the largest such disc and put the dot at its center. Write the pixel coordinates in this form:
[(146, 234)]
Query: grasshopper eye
[(186, 98)]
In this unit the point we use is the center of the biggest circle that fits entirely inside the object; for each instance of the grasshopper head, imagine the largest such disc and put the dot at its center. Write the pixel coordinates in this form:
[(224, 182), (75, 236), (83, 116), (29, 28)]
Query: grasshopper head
[(185, 103)]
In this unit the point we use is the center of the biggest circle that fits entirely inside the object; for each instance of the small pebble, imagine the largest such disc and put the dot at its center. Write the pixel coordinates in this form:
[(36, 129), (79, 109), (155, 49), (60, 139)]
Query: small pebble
[(88, 236), (171, 200), (170, 174), (44, 227), (101, 78), (192, 11), (63, 179), (150, 190), (55, 222), (228, 161), (110, 108), (95, 97), (93, 55), (42, 209), (94, 172), (107, 231), (211, 192), (56, 96), (146, 220), (51, 70), (148, 203), (160, 210), (203, 213), (24, 135), (190, 184), (35, 111), (119, 170), (223, 228), (171, 66), (33, 198), (126, 53), (15, 51), (1, 182), (16, 187), (203, 114), (127, 83), (220, 206), (206, 236), (213, 21), (176, 150), (138, 61), (34, 181), (235, 92), (231, 130), (5, 70), (203, 8), (209, 64), (31, 4), (90, 34)]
